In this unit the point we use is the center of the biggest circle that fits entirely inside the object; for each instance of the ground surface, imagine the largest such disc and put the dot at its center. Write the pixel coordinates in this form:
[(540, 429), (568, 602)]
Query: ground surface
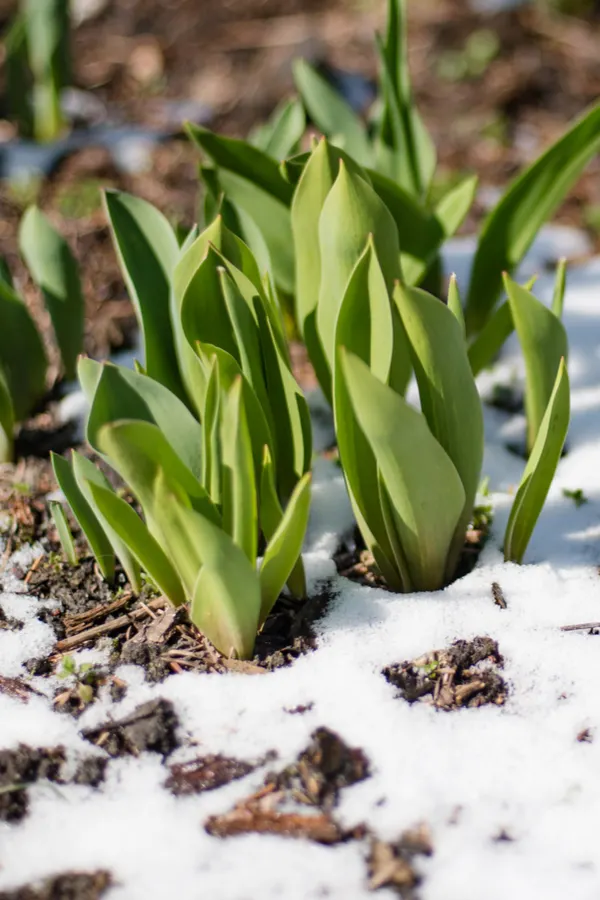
[(431, 746)]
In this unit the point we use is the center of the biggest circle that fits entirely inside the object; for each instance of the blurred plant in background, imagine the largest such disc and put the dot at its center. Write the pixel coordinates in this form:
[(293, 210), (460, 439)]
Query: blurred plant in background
[(38, 67)]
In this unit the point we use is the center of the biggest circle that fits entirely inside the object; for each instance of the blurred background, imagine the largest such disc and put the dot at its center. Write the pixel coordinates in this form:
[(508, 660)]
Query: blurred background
[(495, 80)]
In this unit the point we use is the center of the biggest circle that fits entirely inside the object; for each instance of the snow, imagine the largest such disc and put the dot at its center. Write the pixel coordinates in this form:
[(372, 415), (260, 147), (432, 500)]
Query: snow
[(470, 775)]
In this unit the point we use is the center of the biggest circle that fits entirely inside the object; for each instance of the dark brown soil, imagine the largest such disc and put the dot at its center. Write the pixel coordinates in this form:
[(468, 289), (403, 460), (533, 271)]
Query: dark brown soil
[(20, 768), (26, 765), (315, 780), (464, 675), (151, 727), (69, 886)]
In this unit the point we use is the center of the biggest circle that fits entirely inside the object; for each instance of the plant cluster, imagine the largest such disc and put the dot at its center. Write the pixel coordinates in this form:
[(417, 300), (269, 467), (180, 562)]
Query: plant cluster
[(23, 361), (211, 434)]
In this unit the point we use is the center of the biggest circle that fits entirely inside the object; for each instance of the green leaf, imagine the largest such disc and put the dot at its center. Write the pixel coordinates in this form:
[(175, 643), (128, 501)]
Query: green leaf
[(89, 524), (455, 303), (449, 398), (228, 371), (543, 340), (148, 251), (240, 513), (530, 200), (290, 418), (211, 432), (7, 422), (284, 547), (137, 450), (87, 473), (132, 531), (317, 179), (22, 355), (123, 394), (352, 211), (244, 160), (64, 532), (419, 232), (424, 488), (263, 219), (488, 343), (330, 112), (270, 517), (560, 284), (452, 209), (54, 270), (217, 575), (401, 126), (280, 136), (539, 470), (360, 334)]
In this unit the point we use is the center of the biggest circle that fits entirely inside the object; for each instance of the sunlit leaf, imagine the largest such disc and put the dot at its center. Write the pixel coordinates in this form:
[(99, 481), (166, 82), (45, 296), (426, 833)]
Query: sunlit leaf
[(529, 201), (543, 340), (130, 528), (89, 524), (284, 547), (539, 470), (425, 491)]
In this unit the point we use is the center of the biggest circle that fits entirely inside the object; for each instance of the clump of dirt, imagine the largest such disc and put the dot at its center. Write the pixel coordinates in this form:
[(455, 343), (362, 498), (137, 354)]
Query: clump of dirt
[(464, 674), (20, 768), (315, 780), (322, 770), (392, 865), (77, 588), (69, 886), (206, 773), (150, 727)]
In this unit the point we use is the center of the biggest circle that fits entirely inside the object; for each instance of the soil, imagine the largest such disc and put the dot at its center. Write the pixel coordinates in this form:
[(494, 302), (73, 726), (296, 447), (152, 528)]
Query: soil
[(207, 773), (68, 886), (151, 727), (20, 768), (463, 675), (315, 780)]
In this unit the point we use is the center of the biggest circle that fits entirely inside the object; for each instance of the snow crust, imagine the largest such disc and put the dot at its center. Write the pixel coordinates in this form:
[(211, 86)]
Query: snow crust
[(471, 775)]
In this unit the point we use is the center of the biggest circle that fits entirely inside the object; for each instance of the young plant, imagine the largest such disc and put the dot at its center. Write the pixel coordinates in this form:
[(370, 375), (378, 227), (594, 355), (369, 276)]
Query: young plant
[(204, 298), (211, 434), (39, 66), (23, 363), (413, 476)]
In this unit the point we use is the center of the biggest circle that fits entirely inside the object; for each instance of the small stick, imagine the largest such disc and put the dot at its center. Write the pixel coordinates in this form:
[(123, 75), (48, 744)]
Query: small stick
[(108, 627), (587, 626), (34, 566)]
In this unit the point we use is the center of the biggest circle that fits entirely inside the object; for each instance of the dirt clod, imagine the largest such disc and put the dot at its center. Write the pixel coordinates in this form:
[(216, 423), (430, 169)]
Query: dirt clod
[(465, 674), (69, 886), (150, 727), (392, 865), (315, 779), (205, 774), (20, 768), (322, 770)]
